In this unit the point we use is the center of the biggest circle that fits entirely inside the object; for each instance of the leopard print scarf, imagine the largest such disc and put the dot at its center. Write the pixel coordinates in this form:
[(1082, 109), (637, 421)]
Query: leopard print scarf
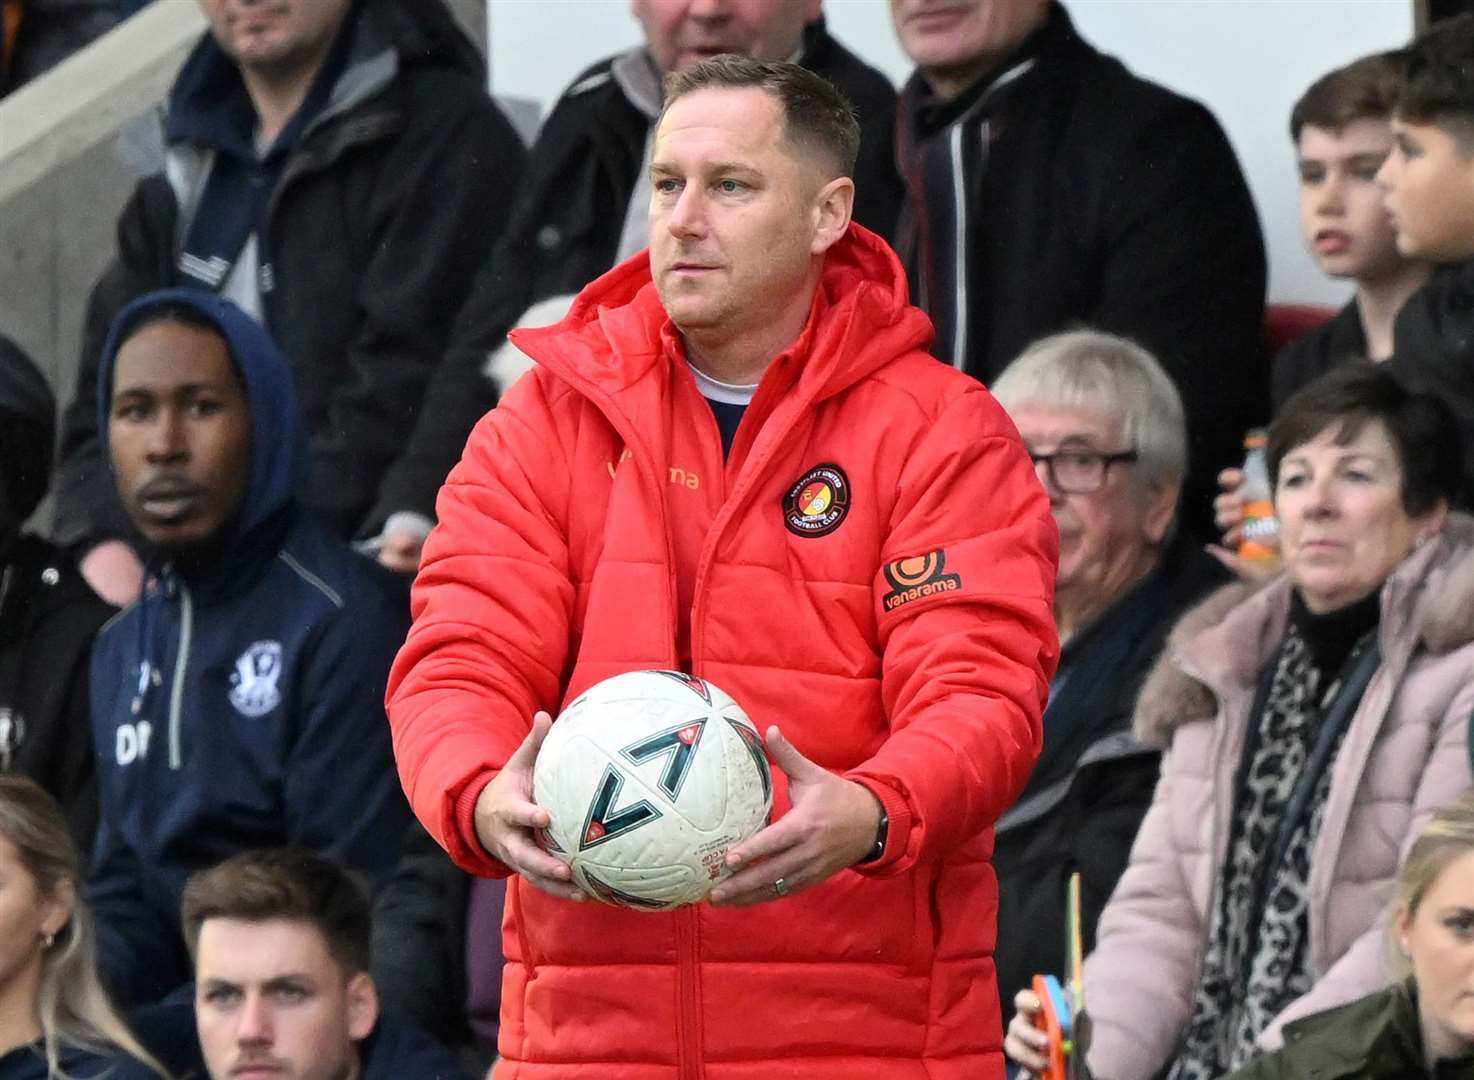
[(1256, 959)]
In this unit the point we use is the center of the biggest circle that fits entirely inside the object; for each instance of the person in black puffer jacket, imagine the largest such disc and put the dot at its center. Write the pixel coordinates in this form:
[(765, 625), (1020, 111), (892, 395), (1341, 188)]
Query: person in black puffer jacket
[(48, 615)]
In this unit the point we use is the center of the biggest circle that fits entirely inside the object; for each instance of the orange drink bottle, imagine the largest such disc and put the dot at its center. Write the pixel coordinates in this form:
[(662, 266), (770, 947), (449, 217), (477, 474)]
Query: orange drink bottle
[(1260, 537)]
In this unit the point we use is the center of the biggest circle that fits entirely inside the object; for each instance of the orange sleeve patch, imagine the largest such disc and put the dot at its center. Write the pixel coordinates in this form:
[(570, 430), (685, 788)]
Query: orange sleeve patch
[(918, 576)]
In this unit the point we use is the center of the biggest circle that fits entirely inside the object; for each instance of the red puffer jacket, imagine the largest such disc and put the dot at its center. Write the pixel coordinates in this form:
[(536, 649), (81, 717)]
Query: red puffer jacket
[(900, 633)]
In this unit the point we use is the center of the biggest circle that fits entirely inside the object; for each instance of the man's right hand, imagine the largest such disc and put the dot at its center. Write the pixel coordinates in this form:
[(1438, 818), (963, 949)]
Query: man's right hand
[(1228, 507), (114, 572), (1228, 516), (506, 816), (1024, 1043), (401, 550)]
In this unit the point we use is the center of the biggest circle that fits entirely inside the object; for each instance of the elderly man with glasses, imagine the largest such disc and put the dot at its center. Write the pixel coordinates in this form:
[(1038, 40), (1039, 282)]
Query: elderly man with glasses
[(1104, 425)]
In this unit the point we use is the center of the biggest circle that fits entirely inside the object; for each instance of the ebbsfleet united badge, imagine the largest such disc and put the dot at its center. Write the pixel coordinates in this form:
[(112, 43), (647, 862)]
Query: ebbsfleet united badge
[(818, 502)]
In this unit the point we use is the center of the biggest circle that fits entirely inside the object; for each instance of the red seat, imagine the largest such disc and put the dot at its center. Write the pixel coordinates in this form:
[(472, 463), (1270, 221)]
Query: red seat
[(1283, 323)]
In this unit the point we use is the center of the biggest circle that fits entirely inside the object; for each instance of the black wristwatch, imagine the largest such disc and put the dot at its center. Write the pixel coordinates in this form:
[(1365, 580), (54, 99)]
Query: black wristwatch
[(880, 834)]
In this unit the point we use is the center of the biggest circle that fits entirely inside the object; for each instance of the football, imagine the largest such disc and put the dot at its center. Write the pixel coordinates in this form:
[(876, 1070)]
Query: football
[(649, 777)]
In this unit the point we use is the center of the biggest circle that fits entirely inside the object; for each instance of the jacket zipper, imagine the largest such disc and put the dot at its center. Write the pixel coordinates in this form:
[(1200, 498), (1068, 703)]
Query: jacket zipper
[(688, 921), (959, 245), (959, 203), (688, 1016), (181, 666), (688, 976)]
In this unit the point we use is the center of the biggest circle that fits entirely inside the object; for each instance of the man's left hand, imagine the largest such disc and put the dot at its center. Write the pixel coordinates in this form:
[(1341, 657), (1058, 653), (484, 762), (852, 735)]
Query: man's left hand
[(830, 826), (401, 550)]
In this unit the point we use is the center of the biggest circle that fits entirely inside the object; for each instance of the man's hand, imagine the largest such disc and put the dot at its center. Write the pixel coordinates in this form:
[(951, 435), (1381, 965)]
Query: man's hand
[(1228, 516), (506, 816), (1024, 1043), (1228, 507), (401, 549), (830, 826), (114, 572)]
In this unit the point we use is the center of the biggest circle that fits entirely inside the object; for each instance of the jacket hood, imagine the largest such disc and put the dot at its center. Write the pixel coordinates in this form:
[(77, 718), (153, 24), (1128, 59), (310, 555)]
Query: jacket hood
[(862, 318), (379, 38), (1427, 602), (278, 445)]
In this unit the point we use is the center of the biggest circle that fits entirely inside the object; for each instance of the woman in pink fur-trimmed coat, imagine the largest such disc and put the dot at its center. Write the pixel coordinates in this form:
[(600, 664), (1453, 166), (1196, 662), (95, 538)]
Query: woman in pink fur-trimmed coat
[(1223, 929)]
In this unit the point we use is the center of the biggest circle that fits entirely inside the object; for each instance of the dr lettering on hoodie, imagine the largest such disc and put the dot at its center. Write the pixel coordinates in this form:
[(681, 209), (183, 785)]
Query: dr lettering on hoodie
[(239, 702)]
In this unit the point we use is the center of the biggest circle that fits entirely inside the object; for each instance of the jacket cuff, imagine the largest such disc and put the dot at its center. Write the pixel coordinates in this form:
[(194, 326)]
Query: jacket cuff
[(898, 830), (464, 823)]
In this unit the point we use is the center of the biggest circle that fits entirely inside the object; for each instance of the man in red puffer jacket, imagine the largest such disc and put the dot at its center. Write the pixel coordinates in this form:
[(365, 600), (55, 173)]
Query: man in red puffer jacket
[(734, 458)]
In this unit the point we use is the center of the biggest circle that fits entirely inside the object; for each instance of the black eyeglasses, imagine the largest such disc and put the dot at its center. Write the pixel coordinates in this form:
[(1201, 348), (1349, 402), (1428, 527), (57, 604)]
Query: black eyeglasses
[(1079, 472)]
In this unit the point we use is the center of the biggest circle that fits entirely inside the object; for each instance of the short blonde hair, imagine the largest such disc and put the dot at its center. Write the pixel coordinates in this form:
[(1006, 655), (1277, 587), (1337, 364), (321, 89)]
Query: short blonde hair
[(1448, 835)]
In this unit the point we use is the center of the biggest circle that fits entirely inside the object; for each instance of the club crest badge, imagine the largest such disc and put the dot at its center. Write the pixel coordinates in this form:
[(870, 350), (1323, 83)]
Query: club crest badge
[(818, 502), (253, 683)]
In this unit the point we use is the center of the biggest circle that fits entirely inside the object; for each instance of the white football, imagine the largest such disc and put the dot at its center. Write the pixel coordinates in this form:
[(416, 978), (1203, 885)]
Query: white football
[(649, 777)]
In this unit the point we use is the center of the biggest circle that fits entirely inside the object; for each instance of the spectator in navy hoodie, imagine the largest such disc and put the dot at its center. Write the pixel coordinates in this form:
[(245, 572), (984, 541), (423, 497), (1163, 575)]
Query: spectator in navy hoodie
[(239, 702)]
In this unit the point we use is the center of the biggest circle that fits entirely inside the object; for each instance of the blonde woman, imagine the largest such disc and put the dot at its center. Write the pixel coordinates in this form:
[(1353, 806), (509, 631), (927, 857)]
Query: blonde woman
[(55, 1021), (1422, 1025)]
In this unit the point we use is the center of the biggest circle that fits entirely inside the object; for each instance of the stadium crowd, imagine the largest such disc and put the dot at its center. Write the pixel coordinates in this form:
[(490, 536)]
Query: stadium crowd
[(363, 480)]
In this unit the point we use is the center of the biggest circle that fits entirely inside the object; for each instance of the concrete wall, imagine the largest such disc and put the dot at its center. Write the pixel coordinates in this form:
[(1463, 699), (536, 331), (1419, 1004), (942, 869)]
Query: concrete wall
[(64, 176), (72, 146)]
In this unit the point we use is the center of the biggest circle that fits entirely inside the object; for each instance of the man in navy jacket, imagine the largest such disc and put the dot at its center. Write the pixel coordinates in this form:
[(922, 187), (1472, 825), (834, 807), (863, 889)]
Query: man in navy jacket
[(239, 702), (336, 168), (281, 946)]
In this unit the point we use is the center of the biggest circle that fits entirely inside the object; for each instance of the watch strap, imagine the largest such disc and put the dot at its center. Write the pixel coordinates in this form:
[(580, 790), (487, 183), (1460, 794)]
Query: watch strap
[(882, 829)]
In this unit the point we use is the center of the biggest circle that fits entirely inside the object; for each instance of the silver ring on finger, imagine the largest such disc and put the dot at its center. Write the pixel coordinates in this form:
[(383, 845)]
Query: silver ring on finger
[(780, 888)]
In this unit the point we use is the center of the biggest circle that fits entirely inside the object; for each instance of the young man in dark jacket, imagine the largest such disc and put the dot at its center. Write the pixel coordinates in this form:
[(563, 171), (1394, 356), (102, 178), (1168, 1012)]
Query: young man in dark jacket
[(279, 939), (336, 168), (48, 615), (1341, 127), (1048, 187), (1428, 181), (583, 205), (239, 702)]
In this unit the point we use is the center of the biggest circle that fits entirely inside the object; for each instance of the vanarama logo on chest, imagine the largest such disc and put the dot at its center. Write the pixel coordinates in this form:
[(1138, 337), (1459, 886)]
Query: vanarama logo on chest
[(918, 576), (676, 475)]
